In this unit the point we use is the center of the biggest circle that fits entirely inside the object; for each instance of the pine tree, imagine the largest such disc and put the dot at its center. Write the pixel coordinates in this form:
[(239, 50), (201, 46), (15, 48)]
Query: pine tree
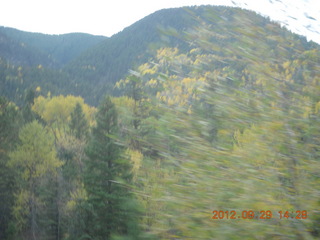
[(27, 114), (9, 128), (106, 180), (78, 123)]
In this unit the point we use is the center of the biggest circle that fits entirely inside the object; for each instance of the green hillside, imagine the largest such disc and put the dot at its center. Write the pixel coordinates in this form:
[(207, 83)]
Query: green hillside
[(212, 132), (99, 68), (61, 49), (89, 66), (16, 52), (29, 60)]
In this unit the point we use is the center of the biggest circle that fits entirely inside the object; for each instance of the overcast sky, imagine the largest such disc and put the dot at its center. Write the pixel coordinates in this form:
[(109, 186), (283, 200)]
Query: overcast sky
[(107, 17)]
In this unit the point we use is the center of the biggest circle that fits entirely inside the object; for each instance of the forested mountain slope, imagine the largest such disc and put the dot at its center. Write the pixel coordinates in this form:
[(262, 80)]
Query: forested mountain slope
[(110, 61), (29, 60), (94, 72), (18, 53), (214, 133), (98, 69), (59, 48)]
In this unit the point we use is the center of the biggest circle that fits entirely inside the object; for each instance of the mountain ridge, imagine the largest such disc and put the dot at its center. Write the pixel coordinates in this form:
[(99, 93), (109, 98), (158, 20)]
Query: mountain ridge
[(92, 71), (60, 48)]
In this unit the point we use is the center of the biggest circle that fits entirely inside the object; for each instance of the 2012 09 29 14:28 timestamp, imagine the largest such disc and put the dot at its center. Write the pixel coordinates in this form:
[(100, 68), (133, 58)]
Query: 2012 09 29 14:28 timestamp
[(264, 214)]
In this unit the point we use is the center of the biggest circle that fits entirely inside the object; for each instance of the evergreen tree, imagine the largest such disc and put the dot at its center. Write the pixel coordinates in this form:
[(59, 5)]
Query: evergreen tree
[(78, 123), (27, 114), (9, 127), (109, 204)]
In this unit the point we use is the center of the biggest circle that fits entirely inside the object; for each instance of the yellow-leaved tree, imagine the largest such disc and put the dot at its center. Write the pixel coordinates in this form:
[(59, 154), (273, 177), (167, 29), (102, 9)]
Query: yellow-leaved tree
[(33, 159), (57, 110)]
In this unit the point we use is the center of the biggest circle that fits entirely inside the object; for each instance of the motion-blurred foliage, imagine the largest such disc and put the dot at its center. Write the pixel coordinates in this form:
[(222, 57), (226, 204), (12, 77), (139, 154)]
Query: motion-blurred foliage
[(235, 126)]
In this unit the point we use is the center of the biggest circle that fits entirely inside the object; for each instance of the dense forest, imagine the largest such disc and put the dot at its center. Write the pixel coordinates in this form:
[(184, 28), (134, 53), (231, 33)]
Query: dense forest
[(193, 123)]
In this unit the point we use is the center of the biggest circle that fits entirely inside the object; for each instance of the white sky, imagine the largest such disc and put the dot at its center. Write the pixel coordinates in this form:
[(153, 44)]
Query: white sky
[(107, 17)]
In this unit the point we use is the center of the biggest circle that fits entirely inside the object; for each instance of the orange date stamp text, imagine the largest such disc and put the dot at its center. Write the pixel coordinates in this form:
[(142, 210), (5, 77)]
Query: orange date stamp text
[(264, 214)]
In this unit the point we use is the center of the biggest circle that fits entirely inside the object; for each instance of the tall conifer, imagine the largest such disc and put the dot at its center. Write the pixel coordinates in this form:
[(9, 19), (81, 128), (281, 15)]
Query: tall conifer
[(78, 123), (106, 178), (9, 128)]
